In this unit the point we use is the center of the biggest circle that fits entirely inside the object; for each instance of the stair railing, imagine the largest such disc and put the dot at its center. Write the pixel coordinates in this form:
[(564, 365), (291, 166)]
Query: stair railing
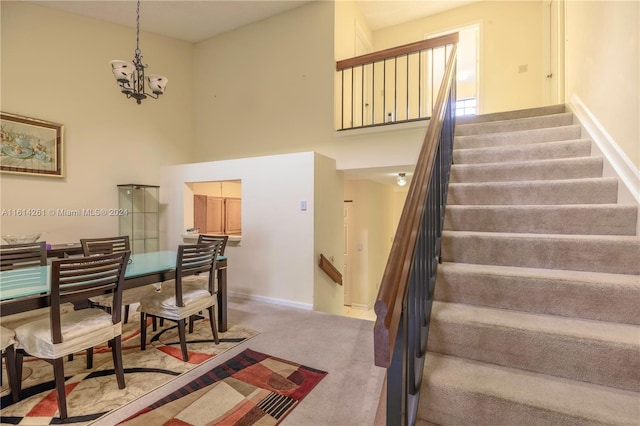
[(395, 85), (403, 304)]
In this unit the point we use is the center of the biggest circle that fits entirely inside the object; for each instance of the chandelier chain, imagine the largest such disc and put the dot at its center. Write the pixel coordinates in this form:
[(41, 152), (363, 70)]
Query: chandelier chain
[(137, 52)]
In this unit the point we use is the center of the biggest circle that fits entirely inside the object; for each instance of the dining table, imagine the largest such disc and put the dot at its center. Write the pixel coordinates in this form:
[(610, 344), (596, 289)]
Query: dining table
[(26, 289)]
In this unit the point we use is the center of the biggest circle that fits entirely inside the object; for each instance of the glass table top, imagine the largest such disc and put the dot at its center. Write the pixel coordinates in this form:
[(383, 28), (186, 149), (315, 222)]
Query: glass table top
[(30, 281)]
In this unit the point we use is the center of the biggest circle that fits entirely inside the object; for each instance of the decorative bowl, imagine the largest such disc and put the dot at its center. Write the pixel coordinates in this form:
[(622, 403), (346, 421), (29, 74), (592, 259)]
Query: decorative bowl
[(21, 239)]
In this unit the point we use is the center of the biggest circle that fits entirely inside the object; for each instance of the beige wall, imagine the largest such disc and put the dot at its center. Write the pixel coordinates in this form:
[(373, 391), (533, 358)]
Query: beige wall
[(55, 67), (327, 224), (266, 88), (603, 67), (510, 36)]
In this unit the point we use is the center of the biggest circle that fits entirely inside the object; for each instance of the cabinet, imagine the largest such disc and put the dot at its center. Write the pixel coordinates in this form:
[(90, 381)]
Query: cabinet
[(217, 215), (141, 221)]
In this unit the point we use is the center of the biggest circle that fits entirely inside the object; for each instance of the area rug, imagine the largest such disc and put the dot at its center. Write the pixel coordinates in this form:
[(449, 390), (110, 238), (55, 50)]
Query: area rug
[(251, 388), (92, 393)]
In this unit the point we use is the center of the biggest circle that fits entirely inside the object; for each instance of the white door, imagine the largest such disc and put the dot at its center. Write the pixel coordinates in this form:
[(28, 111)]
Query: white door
[(346, 276)]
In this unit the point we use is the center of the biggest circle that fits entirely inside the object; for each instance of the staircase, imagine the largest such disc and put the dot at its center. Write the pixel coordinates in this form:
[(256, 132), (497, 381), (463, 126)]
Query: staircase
[(536, 319)]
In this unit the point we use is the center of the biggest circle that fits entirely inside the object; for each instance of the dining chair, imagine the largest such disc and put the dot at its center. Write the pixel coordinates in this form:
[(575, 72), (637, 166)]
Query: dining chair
[(184, 301), (7, 345), (204, 238), (51, 339), (108, 245), (14, 256), (200, 280)]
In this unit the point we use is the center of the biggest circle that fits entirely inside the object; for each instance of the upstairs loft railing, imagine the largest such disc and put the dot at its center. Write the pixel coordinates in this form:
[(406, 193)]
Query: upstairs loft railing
[(403, 304), (390, 86)]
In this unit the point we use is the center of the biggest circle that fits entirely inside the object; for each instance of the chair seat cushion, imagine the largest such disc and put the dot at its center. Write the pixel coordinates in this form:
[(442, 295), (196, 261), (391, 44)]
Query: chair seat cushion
[(7, 338), (129, 297), (192, 281), (163, 304), (81, 330)]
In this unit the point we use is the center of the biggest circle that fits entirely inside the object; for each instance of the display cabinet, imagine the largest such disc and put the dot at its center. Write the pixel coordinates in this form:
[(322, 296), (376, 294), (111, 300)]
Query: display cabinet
[(140, 219)]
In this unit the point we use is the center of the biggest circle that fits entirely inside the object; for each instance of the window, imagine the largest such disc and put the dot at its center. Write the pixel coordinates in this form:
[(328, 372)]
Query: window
[(466, 106)]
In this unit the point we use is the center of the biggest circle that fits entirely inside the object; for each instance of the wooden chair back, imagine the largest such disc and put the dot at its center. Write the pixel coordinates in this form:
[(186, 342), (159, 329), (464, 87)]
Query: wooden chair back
[(77, 279), (14, 256), (207, 239), (108, 245), (194, 259)]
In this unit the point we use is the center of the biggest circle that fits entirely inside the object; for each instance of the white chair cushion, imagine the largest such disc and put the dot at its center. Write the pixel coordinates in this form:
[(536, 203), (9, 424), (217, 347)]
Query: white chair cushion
[(16, 320), (80, 330), (7, 338), (192, 281), (129, 297), (163, 304)]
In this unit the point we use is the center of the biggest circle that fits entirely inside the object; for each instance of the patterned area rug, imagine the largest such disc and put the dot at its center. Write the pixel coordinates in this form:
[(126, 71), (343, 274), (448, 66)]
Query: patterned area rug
[(250, 388), (92, 393)]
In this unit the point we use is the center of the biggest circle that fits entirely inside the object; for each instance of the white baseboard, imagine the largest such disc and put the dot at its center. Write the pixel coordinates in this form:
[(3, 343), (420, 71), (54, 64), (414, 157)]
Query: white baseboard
[(272, 300), (625, 170)]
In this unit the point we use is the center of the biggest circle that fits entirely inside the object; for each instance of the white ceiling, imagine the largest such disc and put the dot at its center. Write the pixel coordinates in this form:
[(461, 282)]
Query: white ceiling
[(195, 21)]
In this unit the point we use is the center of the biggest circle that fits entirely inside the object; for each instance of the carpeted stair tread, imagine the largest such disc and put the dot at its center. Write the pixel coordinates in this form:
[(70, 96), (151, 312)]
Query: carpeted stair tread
[(537, 342), (457, 391), (585, 219), (562, 191), (549, 134), (511, 115), (527, 123), (551, 169), (597, 253), (586, 295), (534, 151)]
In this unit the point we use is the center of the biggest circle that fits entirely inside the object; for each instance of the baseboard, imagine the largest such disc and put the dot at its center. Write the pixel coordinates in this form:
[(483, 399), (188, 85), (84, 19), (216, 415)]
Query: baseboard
[(272, 300), (623, 168)]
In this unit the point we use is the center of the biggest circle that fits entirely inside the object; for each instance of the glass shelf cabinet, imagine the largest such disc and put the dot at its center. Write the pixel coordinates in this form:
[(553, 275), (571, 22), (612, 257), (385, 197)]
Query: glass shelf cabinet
[(141, 223)]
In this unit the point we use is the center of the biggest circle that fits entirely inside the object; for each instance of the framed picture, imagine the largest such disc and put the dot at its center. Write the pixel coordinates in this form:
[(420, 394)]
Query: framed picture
[(30, 146)]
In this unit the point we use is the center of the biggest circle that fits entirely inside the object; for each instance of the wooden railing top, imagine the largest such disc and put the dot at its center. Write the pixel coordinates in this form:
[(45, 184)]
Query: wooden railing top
[(388, 305), (397, 51)]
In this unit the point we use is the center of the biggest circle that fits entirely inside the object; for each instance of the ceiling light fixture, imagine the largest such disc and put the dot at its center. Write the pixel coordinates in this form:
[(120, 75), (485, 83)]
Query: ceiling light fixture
[(401, 179), (130, 76)]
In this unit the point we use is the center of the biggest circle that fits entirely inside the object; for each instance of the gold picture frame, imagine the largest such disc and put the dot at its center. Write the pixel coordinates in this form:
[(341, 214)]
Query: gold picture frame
[(29, 146)]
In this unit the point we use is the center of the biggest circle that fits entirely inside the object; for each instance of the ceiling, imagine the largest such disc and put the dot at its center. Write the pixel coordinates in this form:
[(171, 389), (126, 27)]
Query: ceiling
[(199, 20), (195, 21)]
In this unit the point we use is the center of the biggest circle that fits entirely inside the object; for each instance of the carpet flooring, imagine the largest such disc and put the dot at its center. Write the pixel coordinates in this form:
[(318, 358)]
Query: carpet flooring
[(93, 393), (251, 388)]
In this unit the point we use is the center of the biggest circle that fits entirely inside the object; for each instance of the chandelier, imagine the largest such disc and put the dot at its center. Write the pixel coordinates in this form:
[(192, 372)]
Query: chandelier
[(130, 76)]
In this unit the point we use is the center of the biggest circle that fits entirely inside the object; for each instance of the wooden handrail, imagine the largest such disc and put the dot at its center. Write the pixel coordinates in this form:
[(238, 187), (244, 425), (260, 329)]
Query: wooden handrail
[(397, 51), (389, 303), (329, 269)]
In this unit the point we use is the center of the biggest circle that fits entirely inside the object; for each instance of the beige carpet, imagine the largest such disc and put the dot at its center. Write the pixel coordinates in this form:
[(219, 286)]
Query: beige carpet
[(536, 317), (93, 393), (347, 396)]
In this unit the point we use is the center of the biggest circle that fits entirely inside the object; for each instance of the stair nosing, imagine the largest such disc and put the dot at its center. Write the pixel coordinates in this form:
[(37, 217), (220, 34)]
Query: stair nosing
[(544, 273)]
